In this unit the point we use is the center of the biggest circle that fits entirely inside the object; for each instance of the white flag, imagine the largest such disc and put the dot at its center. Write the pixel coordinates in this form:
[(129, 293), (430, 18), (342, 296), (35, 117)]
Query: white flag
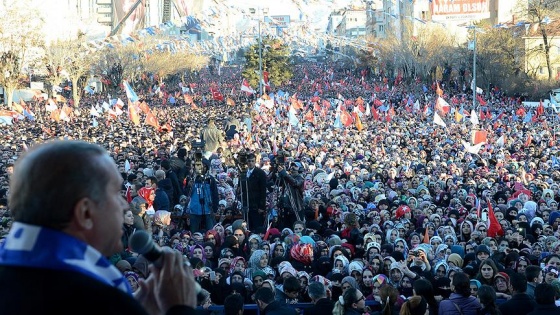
[(93, 112), (474, 117), (501, 141), (472, 148), (438, 120)]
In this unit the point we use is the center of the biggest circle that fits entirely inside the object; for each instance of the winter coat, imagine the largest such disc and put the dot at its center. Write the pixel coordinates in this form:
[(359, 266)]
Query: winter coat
[(459, 305)]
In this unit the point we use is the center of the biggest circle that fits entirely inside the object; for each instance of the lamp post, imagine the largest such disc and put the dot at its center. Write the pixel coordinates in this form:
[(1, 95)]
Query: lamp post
[(260, 62), (474, 28), (262, 11)]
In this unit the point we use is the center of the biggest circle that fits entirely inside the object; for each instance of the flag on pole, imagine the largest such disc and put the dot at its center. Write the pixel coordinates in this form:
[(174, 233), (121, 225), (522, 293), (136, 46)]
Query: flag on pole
[(472, 148), (359, 125), (439, 91), (494, 227), (501, 141), (442, 106), (151, 120), (438, 120), (246, 88), (474, 118), (458, 116), (479, 136), (93, 112), (130, 94), (132, 114), (528, 117), (294, 121)]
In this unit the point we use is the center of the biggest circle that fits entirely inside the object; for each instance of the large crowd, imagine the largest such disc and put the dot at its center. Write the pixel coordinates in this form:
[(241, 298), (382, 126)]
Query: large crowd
[(387, 210)]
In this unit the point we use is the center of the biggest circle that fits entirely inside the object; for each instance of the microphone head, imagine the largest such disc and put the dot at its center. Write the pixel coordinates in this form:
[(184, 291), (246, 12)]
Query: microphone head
[(141, 242)]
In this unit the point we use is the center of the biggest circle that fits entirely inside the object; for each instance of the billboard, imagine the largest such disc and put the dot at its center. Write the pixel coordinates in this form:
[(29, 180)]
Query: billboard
[(452, 10), (281, 21), (135, 21)]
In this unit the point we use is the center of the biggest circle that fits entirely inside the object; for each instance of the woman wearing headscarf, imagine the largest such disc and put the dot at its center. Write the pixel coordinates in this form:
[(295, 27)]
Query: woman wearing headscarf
[(162, 219), (302, 257), (257, 261)]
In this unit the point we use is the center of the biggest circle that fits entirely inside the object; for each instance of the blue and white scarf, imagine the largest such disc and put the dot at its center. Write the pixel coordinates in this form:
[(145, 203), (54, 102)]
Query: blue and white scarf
[(38, 247)]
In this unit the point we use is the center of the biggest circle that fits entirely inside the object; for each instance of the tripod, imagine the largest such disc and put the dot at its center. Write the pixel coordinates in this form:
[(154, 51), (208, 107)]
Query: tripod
[(244, 191)]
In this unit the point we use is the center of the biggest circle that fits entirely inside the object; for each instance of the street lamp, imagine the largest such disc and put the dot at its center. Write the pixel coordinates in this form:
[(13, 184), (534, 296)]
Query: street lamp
[(263, 11), (475, 29)]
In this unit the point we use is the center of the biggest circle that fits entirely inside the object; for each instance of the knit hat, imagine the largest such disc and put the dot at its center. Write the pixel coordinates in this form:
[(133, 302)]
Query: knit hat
[(502, 275), (482, 249), (259, 273), (355, 266)]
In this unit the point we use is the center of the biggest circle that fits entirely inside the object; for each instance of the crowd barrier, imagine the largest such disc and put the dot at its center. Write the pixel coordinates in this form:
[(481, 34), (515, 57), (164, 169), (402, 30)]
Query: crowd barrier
[(373, 305), (219, 309)]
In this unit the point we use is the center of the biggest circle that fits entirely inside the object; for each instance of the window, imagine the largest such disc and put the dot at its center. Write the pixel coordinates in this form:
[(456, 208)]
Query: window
[(381, 29)]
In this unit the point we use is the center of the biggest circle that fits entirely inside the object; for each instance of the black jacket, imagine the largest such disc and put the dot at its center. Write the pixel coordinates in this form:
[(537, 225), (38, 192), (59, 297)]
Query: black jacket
[(519, 304), (322, 307), (32, 291), (551, 309), (278, 308)]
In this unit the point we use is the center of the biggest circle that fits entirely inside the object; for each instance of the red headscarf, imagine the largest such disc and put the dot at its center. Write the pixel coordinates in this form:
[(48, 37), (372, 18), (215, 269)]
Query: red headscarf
[(145, 193)]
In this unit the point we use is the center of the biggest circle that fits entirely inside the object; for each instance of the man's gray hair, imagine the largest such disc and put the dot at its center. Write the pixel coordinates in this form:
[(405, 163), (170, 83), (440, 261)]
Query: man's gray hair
[(316, 290)]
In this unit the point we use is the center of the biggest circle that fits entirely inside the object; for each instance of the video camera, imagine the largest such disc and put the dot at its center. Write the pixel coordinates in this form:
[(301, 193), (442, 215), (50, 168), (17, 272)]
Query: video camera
[(279, 159), (197, 149), (242, 159)]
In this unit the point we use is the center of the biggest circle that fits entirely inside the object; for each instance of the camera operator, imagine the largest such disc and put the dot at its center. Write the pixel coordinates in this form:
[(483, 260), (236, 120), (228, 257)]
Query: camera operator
[(291, 193), (203, 195), (255, 196)]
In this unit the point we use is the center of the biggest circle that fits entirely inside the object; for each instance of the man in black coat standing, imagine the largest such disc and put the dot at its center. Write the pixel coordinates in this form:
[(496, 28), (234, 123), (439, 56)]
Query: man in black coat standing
[(520, 303), (253, 194), (318, 294), (269, 306)]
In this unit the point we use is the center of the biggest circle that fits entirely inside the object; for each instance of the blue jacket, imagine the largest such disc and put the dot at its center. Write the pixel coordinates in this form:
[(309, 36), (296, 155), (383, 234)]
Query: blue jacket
[(204, 197), (467, 305)]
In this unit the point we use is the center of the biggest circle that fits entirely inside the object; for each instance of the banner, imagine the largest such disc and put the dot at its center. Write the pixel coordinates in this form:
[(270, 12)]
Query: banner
[(446, 10), (135, 21)]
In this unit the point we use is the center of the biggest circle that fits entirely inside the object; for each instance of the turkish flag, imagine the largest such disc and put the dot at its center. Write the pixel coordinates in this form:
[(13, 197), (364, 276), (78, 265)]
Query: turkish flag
[(144, 107), (152, 120), (540, 109), (494, 228), (309, 117), (346, 118)]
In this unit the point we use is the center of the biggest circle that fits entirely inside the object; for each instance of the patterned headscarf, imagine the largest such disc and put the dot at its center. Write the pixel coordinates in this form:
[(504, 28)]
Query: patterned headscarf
[(254, 261), (302, 253), (161, 216), (234, 263)]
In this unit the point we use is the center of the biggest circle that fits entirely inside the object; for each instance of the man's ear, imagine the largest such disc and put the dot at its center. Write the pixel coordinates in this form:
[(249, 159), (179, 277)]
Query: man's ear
[(83, 214)]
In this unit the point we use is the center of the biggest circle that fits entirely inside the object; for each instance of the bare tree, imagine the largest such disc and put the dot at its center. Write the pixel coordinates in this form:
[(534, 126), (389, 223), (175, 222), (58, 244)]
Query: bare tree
[(71, 59), (543, 16), (418, 53), (20, 44), (499, 55)]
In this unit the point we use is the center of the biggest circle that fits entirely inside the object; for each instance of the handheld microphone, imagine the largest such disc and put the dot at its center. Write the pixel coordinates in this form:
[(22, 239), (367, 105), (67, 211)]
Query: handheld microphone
[(142, 243)]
